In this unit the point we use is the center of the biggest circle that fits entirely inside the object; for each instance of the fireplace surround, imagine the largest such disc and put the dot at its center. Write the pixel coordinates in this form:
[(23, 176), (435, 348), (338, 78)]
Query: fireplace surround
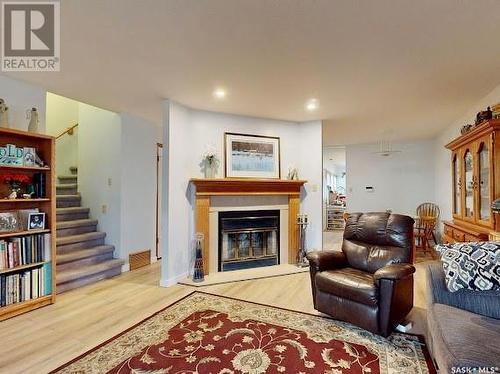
[(209, 190), (248, 239)]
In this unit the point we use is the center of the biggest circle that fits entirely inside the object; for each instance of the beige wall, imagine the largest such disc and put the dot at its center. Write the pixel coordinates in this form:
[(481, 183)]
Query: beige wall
[(61, 114), (20, 97)]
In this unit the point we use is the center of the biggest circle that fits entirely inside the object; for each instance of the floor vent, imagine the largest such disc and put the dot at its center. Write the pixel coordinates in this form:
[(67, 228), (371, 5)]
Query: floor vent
[(139, 259)]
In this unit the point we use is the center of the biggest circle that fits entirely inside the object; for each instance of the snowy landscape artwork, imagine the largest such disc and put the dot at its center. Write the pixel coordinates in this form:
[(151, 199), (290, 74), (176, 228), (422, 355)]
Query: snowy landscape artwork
[(252, 156)]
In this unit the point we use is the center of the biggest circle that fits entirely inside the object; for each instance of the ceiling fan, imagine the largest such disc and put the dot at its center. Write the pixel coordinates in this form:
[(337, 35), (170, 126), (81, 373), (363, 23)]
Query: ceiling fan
[(385, 149)]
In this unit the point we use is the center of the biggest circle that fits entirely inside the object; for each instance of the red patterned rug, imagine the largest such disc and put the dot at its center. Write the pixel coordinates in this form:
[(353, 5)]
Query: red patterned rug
[(205, 333)]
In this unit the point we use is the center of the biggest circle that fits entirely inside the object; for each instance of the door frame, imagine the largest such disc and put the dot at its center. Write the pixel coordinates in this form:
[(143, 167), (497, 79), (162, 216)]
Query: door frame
[(159, 161)]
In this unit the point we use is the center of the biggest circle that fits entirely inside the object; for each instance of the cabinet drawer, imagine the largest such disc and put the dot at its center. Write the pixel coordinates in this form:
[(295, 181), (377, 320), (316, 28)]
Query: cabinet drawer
[(448, 231), (447, 239), (458, 236), (471, 238)]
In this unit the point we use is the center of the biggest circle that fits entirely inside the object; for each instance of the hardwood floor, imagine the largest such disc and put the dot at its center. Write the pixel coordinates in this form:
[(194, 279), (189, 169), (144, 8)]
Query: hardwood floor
[(44, 339)]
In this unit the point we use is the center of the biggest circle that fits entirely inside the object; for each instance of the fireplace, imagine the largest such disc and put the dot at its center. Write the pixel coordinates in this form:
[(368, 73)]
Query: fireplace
[(248, 239)]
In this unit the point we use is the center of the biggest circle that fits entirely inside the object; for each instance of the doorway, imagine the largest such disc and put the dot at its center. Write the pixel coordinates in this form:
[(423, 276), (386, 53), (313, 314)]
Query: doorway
[(334, 196)]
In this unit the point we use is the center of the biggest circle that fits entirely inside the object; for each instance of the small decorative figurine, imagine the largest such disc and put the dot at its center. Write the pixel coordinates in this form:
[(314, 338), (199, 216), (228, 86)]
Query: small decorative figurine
[(198, 274), (465, 129), (496, 111), (39, 161), (484, 115), (4, 114), (32, 115)]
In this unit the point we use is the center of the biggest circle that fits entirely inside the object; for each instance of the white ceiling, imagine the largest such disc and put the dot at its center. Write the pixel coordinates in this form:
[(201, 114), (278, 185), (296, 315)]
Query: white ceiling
[(403, 67)]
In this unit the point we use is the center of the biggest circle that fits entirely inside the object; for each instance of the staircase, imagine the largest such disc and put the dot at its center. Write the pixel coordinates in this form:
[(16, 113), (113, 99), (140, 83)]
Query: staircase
[(82, 255)]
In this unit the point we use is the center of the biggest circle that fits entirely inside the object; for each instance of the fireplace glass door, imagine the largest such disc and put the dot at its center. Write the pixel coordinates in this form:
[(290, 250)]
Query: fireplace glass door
[(248, 239)]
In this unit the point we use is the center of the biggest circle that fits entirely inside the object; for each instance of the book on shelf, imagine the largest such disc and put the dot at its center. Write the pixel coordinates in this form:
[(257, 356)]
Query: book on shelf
[(27, 231), (24, 250), (39, 182), (25, 285)]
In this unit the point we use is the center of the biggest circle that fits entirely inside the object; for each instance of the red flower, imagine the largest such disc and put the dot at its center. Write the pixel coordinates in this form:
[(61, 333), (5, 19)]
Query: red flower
[(16, 178)]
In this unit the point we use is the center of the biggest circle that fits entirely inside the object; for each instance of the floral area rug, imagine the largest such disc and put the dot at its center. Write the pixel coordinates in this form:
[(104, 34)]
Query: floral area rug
[(204, 333)]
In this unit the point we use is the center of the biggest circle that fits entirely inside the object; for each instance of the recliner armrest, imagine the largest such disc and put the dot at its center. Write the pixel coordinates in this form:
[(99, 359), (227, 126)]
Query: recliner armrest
[(326, 260), (394, 272)]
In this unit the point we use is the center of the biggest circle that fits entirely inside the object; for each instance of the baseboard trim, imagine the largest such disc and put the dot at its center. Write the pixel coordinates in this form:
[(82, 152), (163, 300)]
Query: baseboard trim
[(125, 267), (172, 281)]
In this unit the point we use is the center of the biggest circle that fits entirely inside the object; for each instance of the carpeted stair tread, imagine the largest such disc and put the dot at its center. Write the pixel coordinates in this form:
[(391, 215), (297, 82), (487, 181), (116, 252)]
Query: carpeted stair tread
[(74, 274), (75, 209), (68, 186), (76, 223), (67, 180), (83, 257), (69, 176), (69, 197), (84, 253), (80, 238)]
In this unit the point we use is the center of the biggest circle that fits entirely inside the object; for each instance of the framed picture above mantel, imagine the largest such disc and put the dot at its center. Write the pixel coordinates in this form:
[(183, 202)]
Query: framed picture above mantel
[(252, 156)]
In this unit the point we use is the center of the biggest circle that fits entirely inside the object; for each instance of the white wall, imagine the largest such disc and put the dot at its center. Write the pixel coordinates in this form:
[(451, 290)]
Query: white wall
[(187, 134), (62, 113), (310, 168), (443, 155), (177, 210), (108, 147), (20, 97), (99, 169), (401, 181), (138, 185)]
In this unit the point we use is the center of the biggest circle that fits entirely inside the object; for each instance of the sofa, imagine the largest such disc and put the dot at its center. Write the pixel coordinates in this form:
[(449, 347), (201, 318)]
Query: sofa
[(463, 327), (370, 282)]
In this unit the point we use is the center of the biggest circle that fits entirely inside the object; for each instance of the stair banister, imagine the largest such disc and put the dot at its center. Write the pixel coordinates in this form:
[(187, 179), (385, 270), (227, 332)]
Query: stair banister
[(69, 131)]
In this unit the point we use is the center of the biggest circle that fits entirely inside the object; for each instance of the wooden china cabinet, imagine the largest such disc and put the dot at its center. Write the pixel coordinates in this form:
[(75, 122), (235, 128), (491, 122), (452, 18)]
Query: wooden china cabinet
[(475, 167)]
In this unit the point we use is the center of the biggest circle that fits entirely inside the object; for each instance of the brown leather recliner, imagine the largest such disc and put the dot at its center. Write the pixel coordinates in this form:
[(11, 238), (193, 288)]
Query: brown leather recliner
[(370, 282)]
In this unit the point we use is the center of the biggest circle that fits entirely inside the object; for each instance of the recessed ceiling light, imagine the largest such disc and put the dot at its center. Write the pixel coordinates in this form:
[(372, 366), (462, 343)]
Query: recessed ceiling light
[(219, 93), (312, 104)]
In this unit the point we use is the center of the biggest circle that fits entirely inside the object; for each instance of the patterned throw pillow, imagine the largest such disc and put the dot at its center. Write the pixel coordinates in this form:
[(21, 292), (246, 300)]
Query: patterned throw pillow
[(473, 266)]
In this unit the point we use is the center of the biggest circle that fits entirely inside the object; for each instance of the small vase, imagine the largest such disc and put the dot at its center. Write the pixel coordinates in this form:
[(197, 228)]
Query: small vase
[(33, 117), (4, 118), (209, 171)]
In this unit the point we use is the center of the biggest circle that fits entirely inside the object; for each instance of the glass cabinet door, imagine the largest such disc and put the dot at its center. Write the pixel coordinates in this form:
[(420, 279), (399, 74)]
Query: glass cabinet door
[(469, 185), (457, 188), (484, 183)]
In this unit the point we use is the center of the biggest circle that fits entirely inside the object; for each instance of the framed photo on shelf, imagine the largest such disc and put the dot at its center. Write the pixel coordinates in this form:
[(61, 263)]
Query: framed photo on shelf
[(9, 222), (24, 215), (29, 156), (252, 156), (36, 221)]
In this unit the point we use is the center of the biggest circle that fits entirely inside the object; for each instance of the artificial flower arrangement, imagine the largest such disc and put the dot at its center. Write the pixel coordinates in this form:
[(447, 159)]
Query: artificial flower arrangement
[(211, 161), (15, 181)]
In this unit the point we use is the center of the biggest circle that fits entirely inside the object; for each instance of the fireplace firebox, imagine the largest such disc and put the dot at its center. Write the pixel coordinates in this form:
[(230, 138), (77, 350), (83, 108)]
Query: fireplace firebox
[(248, 239)]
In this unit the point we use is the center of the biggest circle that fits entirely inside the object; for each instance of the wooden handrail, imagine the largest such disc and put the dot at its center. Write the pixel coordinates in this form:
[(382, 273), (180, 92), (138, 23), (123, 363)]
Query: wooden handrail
[(68, 131)]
